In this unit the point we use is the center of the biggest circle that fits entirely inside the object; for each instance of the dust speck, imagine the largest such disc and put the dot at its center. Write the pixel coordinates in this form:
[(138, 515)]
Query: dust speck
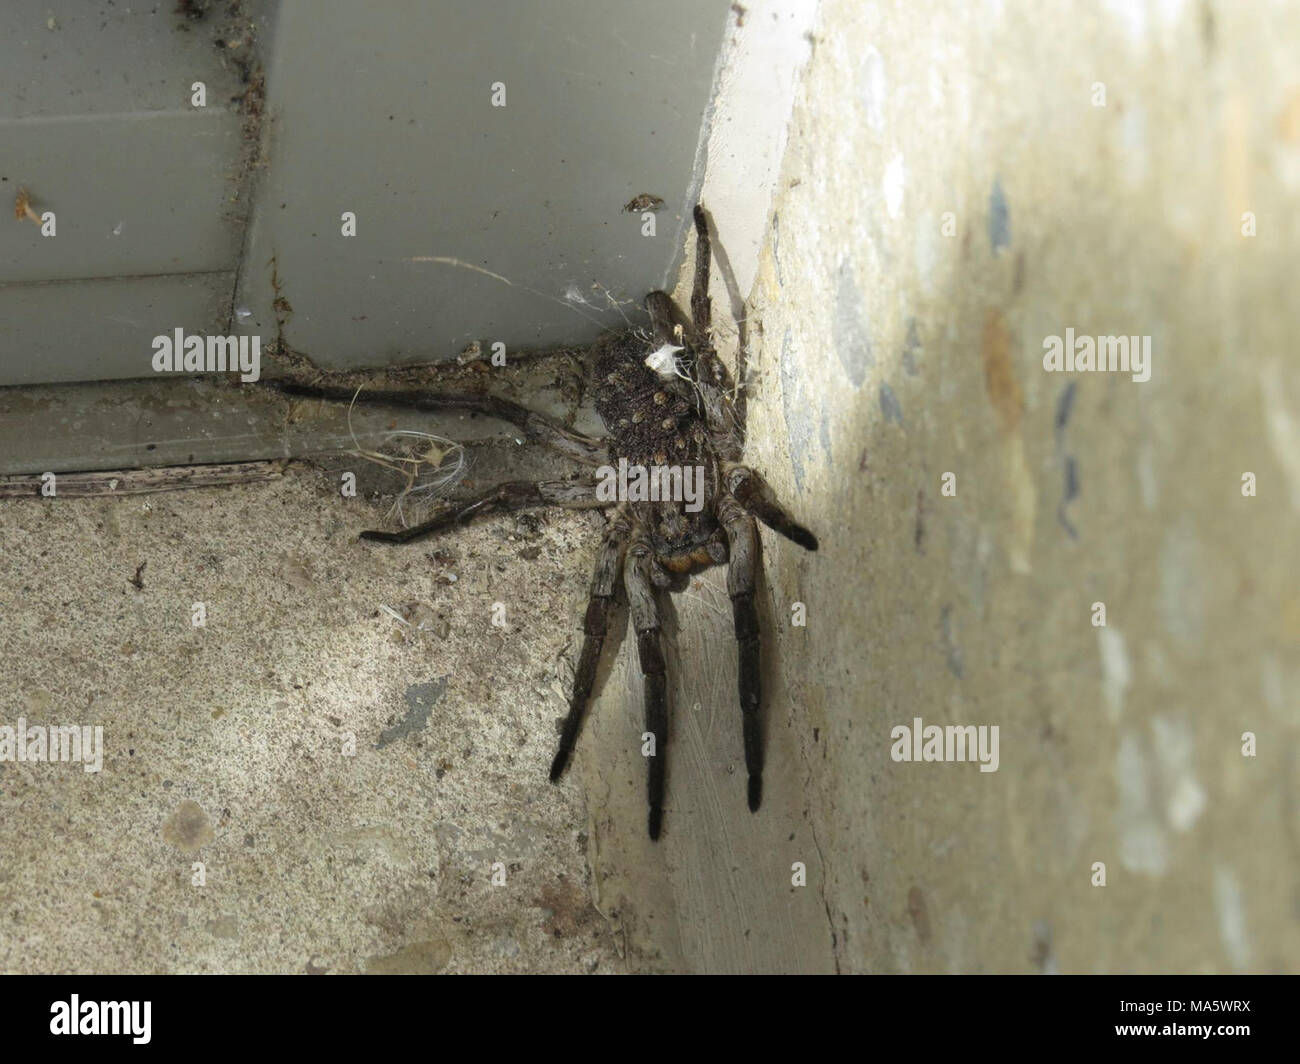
[(188, 828)]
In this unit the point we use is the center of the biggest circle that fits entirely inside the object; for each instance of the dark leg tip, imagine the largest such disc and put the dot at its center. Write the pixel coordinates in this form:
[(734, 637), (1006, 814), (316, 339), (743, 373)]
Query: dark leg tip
[(699, 215), (803, 537), (755, 792), (655, 822), (378, 537), (558, 766)]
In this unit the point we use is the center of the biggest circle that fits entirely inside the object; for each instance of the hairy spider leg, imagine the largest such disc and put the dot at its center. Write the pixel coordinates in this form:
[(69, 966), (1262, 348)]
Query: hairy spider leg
[(501, 498), (752, 492), (701, 306), (604, 583), (742, 575), (645, 621), (537, 427)]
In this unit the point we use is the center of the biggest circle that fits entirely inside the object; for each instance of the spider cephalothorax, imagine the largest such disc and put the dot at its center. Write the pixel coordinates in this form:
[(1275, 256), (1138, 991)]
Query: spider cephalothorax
[(673, 418)]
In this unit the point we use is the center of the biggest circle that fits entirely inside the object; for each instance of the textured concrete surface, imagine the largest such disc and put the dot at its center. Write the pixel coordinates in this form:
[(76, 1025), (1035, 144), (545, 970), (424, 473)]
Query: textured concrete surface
[(889, 354), (225, 745)]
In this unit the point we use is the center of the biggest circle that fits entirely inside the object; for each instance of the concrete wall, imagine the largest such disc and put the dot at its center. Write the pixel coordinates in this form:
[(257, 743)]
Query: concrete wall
[(960, 182), (889, 354)]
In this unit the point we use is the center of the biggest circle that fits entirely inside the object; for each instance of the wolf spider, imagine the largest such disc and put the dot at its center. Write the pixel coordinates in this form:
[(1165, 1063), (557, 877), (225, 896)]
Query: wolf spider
[(664, 399)]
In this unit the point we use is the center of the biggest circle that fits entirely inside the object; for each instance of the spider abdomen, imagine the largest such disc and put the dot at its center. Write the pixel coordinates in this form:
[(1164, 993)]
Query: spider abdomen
[(651, 421), (655, 425)]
